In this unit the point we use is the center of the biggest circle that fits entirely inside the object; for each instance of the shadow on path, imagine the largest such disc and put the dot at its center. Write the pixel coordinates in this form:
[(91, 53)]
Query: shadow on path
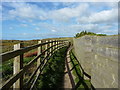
[(80, 74), (81, 78)]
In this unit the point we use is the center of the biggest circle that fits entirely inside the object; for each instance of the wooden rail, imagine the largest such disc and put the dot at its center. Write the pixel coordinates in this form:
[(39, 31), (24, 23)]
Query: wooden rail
[(18, 70)]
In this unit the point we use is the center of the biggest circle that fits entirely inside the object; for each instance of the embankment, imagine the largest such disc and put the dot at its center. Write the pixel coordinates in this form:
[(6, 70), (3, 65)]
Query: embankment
[(98, 56)]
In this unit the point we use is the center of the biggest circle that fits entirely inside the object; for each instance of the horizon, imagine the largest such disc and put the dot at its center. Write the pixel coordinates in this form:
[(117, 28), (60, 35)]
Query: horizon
[(40, 20)]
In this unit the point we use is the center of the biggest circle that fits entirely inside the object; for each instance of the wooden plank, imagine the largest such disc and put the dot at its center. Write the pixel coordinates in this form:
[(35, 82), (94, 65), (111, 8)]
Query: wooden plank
[(10, 82), (53, 45), (38, 61), (46, 53), (50, 46), (17, 66), (58, 44), (15, 77)]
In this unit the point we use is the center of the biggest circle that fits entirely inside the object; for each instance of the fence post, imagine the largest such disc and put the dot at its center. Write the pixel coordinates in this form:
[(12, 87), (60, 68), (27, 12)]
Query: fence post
[(46, 53), (50, 48), (59, 45), (53, 46), (17, 66), (56, 45), (39, 59), (48, 45)]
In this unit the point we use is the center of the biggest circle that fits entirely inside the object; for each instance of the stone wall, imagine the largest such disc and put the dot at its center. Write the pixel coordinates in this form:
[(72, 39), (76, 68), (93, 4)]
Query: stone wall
[(98, 56)]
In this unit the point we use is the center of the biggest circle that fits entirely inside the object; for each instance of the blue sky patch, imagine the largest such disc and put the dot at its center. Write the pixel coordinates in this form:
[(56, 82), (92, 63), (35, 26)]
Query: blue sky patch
[(38, 20)]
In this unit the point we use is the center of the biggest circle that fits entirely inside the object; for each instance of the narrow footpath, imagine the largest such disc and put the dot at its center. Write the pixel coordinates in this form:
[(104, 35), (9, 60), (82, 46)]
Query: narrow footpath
[(68, 77)]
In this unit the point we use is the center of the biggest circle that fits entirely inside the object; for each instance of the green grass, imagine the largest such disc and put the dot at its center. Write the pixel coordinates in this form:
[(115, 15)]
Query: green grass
[(7, 67), (53, 72), (27, 59), (78, 74)]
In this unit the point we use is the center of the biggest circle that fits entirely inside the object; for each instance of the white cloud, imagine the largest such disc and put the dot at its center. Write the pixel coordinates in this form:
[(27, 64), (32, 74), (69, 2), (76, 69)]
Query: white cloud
[(81, 11), (106, 16), (24, 34), (24, 25), (53, 30), (65, 14), (87, 18), (37, 28), (10, 28), (30, 11), (34, 24), (26, 11), (96, 28)]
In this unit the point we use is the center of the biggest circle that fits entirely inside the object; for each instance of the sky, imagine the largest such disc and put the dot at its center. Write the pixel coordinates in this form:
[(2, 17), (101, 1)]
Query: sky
[(38, 20)]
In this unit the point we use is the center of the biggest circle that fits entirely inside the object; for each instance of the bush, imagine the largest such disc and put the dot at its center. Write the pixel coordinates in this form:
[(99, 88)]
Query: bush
[(87, 33)]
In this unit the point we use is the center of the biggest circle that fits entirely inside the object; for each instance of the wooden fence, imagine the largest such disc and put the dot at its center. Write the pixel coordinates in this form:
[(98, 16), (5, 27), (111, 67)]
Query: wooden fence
[(16, 81)]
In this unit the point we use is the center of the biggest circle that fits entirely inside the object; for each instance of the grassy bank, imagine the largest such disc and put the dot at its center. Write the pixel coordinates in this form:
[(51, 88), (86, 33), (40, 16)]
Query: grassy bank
[(53, 73)]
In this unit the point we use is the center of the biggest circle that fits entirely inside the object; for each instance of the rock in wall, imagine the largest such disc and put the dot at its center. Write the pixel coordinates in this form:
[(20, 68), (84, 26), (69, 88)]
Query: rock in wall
[(98, 56)]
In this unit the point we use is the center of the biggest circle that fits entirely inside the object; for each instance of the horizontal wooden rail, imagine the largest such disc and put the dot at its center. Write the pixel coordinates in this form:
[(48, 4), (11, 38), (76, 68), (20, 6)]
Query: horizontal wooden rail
[(47, 57), (19, 74), (40, 65), (43, 68), (11, 54)]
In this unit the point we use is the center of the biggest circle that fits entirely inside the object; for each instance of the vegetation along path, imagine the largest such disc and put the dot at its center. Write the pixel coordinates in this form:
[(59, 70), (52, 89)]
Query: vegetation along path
[(62, 71)]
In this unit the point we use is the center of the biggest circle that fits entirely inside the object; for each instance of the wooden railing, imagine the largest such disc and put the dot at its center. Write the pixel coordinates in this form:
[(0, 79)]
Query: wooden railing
[(16, 81)]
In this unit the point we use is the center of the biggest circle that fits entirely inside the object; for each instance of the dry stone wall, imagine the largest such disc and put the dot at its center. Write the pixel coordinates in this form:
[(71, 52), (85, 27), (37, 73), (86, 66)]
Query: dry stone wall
[(98, 56)]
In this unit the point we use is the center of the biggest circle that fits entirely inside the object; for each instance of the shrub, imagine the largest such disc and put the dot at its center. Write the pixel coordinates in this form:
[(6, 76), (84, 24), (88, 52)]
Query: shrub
[(87, 33)]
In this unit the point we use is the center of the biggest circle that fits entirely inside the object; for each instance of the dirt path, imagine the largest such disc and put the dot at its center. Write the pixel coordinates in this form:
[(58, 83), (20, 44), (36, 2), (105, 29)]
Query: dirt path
[(68, 78)]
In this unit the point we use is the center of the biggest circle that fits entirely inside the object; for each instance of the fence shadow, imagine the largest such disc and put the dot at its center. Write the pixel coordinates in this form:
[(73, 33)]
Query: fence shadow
[(79, 75)]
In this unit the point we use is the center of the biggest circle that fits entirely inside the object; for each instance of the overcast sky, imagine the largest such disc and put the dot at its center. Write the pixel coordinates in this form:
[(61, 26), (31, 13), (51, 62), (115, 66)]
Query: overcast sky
[(39, 20)]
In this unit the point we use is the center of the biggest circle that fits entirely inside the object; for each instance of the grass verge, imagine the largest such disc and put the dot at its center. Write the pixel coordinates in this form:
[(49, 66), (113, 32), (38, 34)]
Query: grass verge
[(53, 73)]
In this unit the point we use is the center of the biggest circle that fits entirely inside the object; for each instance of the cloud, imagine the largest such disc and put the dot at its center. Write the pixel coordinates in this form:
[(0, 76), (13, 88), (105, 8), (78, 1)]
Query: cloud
[(24, 34), (26, 11), (24, 25), (69, 19), (106, 16), (53, 30), (81, 12), (96, 28), (37, 28), (65, 14), (30, 11), (11, 28)]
